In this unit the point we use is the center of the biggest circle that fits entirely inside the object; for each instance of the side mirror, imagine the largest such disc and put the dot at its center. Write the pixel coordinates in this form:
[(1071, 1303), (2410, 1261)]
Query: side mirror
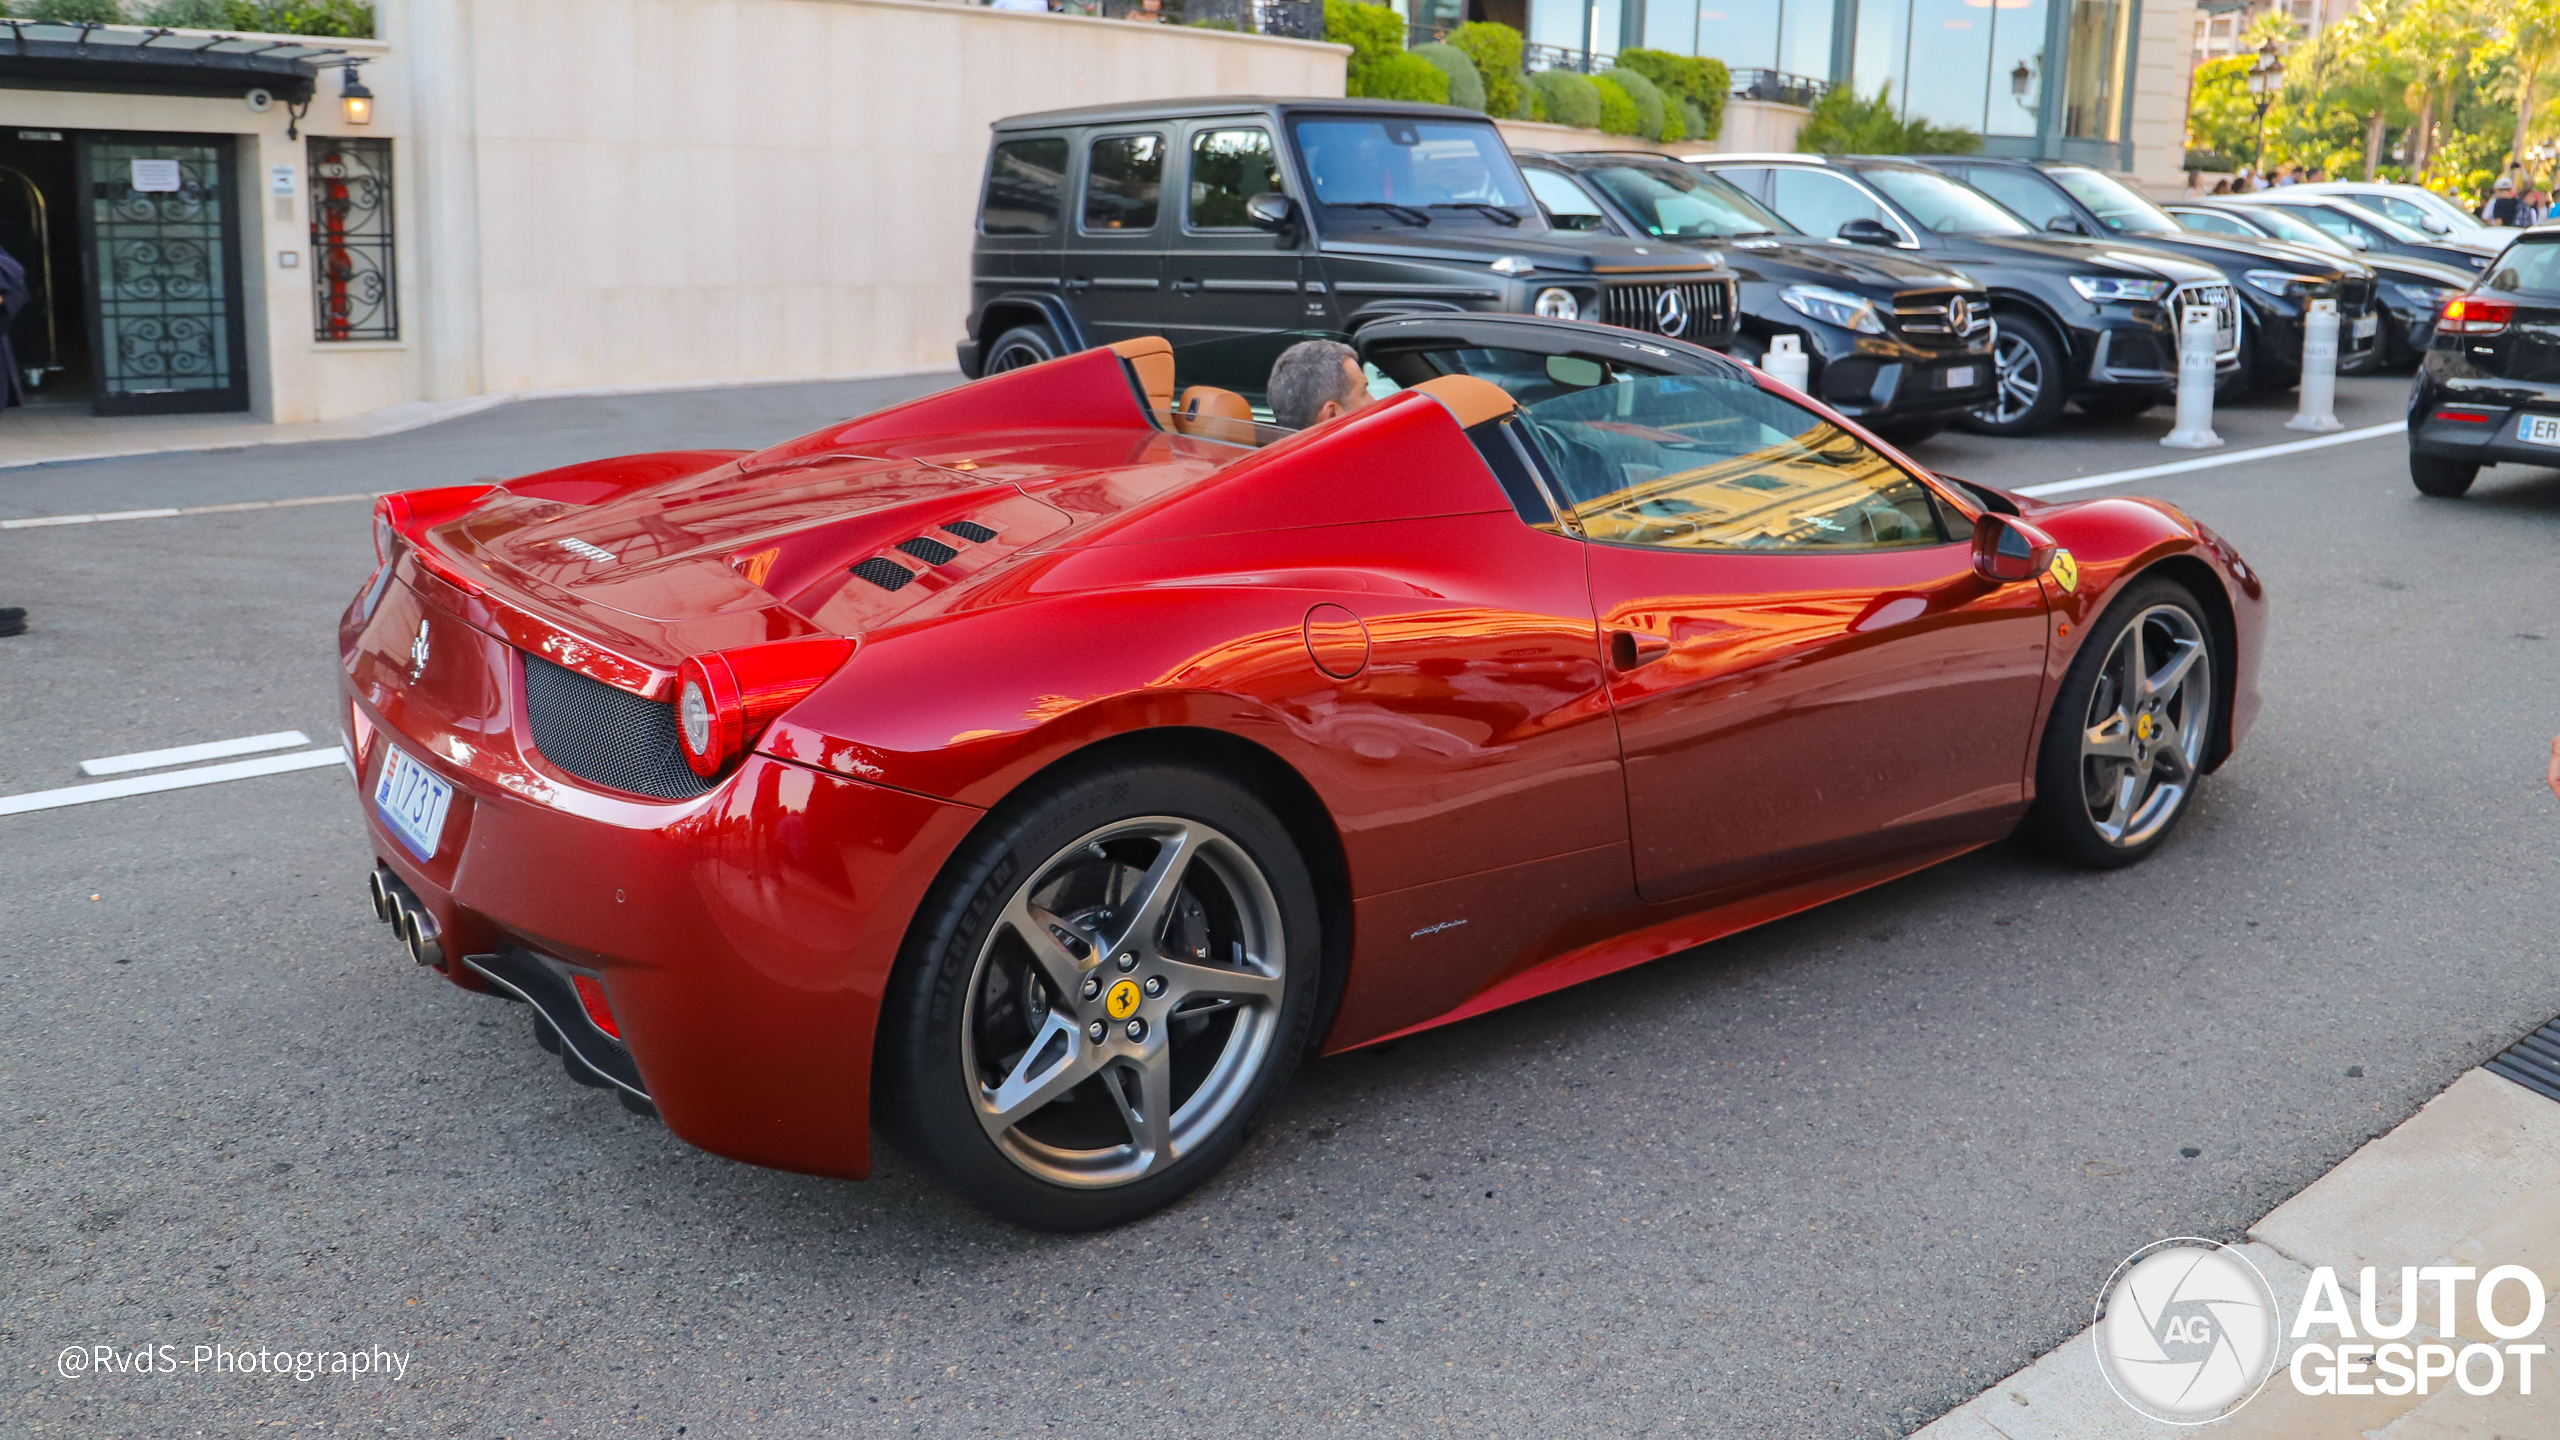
[(2358, 242), (1270, 210), (2007, 549), (1869, 232), (2066, 225)]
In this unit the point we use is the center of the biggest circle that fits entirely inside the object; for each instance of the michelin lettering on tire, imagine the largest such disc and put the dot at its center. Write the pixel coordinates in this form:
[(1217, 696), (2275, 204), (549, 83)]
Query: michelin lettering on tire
[(2186, 1331)]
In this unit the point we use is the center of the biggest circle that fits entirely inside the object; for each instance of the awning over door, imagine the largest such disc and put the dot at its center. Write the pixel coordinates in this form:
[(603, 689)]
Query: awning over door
[(140, 60)]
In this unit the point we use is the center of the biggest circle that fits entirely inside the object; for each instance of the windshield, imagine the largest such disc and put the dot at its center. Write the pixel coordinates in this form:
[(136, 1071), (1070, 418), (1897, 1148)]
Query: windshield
[(1412, 172), (2116, 206), (1710, 462), (1941, 204), (2287, 227), (1684, 205), (2347, 216)]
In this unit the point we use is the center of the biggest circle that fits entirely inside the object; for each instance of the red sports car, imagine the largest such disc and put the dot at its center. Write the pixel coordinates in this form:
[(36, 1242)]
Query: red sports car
[(1043, 767)]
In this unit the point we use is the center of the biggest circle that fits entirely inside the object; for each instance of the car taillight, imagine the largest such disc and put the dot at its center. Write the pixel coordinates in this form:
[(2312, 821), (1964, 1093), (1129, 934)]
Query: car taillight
[(599, 1010), (2471, 315), (403, 514), (724, 700)]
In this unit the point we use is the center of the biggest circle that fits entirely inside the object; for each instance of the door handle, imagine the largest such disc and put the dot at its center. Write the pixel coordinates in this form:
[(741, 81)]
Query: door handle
[(1079, 282), (1629, 649), (1185, 287)]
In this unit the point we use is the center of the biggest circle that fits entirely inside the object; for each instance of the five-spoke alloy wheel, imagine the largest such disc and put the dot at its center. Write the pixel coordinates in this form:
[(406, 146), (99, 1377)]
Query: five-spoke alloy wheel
[(2033, 378), (2127, 741), (1113, 1000)]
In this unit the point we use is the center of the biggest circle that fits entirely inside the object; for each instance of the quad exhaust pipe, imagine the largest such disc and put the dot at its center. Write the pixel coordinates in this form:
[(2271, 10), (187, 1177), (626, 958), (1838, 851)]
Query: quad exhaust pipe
[(398, 906)]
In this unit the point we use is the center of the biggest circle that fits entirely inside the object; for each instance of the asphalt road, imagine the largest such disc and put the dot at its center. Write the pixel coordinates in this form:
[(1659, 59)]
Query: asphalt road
[(1826, 1179)]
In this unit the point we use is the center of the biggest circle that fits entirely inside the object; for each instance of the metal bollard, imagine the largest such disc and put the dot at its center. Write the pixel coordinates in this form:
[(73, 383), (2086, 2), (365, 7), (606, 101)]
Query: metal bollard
[(2194, 430), (2318, 412), (1787, 363)]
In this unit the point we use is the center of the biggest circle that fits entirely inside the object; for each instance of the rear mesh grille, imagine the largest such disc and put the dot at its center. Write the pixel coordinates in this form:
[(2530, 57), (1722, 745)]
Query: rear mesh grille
[(609, 736), (971, 531), (929, 550), (1705, 311), (886, 573)]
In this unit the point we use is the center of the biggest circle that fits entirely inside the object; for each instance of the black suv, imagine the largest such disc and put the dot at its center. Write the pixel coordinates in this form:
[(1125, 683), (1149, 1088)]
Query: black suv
[(2489, 390), (2078, 319), (1900, 343), (1204, 219), (2276, 282)]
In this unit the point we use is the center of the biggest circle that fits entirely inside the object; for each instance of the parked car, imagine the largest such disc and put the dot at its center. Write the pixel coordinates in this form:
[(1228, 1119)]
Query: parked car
[(1040, 768), (2276, 282), (2414, 206), (2367, 233), (2488, 391), (2410, 293), (1238, 216), (2078, 319), (1900, 343)]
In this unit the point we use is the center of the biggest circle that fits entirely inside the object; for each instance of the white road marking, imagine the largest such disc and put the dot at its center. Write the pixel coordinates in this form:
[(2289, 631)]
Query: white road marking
[(189, 754), (179, 780), (37, 521), (2208, 462)]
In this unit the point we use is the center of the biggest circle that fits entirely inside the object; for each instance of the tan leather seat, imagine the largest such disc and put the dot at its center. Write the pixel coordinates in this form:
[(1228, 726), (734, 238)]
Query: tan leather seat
[(1214, 414), (1150, 362)]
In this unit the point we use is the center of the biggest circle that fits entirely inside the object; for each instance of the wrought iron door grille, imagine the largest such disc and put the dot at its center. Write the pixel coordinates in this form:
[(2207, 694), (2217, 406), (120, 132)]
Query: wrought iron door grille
[(1704, 314), (164, 282), (354, 276)]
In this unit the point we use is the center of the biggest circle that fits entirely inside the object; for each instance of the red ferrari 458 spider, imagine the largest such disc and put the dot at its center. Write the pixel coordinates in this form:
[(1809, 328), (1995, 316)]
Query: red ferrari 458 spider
[(1043, 767)]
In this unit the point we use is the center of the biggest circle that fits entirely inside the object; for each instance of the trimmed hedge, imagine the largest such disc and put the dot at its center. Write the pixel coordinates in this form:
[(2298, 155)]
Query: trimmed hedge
[(1704, 83), (1648, 101), (1373, 32), (1402, 76), (1618, 112), (1570, 99), (1466, 87), (1496, 50)]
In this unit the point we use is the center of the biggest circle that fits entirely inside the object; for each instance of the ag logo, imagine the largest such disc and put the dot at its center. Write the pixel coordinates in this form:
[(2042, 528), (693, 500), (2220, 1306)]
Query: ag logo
[(2186, 1331), (2066, 571), (1122, 1002)]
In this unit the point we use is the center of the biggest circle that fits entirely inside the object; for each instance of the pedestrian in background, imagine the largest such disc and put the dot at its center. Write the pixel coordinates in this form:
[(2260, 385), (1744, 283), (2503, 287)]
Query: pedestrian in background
[(2503, 207), (13, 298)]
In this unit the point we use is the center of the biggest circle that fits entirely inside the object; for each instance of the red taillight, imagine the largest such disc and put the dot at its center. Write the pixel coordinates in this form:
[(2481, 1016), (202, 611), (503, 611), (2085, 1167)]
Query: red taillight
[(2464, 417), (402, 515), (2471, 315), (724, 700), (599, 1010)]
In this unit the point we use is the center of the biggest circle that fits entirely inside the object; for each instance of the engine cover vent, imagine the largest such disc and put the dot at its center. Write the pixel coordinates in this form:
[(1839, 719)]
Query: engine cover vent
[(971, 530), (886, 573), (929, 550)]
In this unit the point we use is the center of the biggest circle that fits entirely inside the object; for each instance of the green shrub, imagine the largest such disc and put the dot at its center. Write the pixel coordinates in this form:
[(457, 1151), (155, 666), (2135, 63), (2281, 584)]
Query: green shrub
[(342, 19), (1401, 76), (1618, 113), (1495, 49), (1466, 87), (1570, 99), (1844, 124), (1647, 99), (1532, 101), (1704, 83), (1693, 124), (1373, 32), (70, 11)]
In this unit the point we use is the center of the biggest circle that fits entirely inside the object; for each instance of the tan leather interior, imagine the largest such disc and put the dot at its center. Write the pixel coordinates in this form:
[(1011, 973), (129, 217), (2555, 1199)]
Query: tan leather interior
[(1472, 400), (1214, 414), (1150, 358)]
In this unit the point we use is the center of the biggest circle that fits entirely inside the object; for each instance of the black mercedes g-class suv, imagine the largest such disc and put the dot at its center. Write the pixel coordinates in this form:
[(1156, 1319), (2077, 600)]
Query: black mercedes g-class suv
[(1205, 219)]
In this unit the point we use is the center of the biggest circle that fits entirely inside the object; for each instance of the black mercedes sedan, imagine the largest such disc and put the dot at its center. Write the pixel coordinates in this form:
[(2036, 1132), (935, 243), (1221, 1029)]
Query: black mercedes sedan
[(2276, 282), (2411, 293), (2077, 319), (1902, 344), (2488, 392)]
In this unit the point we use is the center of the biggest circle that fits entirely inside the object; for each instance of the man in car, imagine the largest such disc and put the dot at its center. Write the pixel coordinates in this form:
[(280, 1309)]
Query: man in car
[(1315, 380)]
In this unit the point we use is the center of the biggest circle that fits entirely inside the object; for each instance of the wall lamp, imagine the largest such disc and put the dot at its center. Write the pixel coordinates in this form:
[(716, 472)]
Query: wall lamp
[(358, 99)]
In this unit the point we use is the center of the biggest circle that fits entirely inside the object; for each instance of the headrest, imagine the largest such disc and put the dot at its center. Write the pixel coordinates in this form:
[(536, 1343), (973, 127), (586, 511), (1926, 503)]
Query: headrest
[(1150, 359), (1472, 400), (1214, 414)]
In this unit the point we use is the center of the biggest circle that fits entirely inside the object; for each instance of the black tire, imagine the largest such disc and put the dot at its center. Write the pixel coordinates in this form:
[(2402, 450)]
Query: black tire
[(1907, 433), (1023, 345), (2072, 785), (966, 990), (2444, 479), (2116, 404), (2028, 357)]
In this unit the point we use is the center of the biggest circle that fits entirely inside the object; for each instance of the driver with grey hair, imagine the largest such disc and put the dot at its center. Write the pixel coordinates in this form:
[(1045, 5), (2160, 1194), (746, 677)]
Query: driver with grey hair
[(1315, 380)]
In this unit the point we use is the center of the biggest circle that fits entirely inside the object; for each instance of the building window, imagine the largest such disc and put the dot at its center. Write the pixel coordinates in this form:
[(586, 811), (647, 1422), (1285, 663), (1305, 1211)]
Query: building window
[(354, 286), (2098, 46)]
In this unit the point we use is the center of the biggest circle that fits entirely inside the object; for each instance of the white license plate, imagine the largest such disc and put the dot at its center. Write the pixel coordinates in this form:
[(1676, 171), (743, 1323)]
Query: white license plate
[(2539, 429), (2364, 327), (1959, 377), (412, 802)]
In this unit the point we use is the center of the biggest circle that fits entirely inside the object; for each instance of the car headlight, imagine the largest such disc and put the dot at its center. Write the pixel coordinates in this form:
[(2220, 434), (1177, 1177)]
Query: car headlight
[(2100, 288), (2276, 282), (1558, 305), (1834, 307)]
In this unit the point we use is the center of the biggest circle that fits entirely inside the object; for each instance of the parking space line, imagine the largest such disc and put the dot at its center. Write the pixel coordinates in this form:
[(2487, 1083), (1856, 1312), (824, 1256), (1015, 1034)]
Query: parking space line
[(189, 754), (33, 522), (2209, 462), (179, 780)]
